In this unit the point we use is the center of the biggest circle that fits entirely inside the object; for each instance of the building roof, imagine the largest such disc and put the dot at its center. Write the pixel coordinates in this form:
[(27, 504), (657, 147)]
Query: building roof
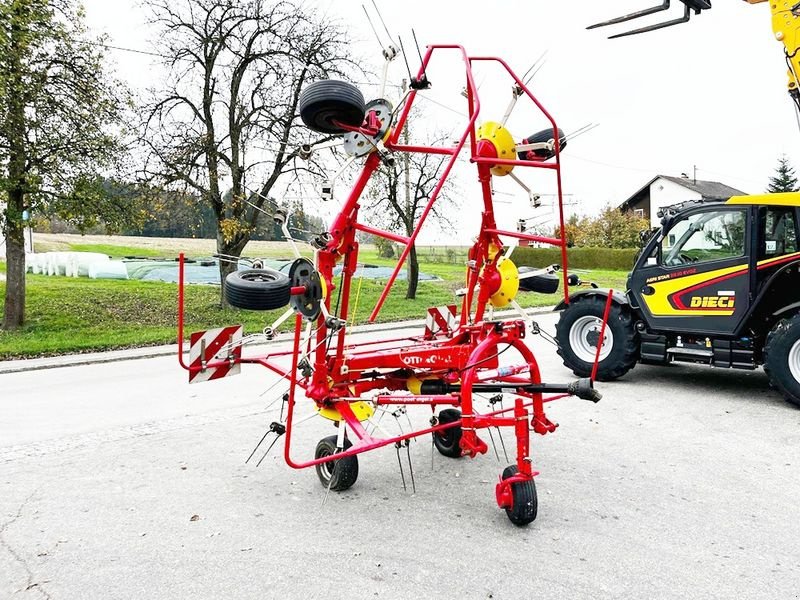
[(706, 189)]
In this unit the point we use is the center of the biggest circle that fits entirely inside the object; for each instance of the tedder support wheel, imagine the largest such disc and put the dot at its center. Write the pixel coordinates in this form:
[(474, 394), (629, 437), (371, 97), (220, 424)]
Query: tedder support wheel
[(325, 103), (525, 504), (257, 289), (782, 358), (545, 135), (339, 474), (448, 441), (578, 335), (544, 283)]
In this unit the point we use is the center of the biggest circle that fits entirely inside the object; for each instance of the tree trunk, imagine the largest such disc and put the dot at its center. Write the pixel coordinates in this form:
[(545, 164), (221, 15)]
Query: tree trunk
[(14, 311), (14, 133), (413, 274), (228, 248)]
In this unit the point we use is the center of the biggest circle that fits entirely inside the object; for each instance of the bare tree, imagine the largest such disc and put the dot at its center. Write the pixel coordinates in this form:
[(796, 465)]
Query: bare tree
[(224, 125), (405, 187), (59, 125)]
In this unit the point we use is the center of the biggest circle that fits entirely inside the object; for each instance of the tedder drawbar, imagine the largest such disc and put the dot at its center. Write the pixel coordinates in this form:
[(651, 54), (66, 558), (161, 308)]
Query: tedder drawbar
[(465, 362)]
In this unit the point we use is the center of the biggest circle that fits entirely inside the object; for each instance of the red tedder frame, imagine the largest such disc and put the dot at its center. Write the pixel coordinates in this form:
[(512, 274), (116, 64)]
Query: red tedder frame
[(446, 369)]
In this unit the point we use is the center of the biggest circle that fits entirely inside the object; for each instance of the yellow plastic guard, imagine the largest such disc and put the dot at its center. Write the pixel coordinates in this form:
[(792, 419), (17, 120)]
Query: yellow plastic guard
[(361, 410), (509, 284), (503, 143)]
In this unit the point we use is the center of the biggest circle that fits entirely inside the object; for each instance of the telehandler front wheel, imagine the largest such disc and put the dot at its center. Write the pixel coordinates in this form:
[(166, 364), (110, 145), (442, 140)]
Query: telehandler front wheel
[(578, 337), (782, 358)]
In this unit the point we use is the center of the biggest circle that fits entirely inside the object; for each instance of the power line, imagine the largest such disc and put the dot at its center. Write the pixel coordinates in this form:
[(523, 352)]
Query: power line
[(443, 105), (651, 171), (132, 50), (603, 164), (376, 84), (730, 176)]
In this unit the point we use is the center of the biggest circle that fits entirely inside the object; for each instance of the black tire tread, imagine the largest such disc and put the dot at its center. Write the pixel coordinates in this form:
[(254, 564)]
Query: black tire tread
[(345, 470), (776, 347), (619, 318), (545, 135), (544, 283), (525, 504), (448, 441), (324, 101), (272, 293)]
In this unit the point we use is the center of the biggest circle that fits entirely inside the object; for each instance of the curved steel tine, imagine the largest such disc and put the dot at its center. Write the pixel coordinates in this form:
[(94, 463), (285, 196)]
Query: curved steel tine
[(410, 466), (687, 13), (635, 15)]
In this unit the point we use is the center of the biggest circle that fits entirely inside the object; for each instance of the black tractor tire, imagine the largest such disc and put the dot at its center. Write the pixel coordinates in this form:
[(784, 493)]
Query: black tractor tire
[(545, 135), (448, 441), (545, 283), (338, 475), (257, 289), (324, 102), (782, 358), (625, 348), (525, 503)]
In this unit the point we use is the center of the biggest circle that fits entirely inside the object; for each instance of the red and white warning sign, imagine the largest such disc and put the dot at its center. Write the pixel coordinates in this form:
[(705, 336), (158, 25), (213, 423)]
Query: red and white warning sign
[(440, 320), (218, 347)]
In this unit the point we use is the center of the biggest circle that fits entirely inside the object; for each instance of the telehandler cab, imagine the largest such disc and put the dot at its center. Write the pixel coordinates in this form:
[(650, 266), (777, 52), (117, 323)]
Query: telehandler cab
[(718, 283)]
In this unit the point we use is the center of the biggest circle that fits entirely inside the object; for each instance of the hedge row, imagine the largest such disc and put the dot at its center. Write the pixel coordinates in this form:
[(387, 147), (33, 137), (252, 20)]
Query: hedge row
[(579, 258)]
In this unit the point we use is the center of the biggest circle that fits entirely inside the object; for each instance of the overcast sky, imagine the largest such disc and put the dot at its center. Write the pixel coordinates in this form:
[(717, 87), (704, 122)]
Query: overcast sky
[(710, 94)]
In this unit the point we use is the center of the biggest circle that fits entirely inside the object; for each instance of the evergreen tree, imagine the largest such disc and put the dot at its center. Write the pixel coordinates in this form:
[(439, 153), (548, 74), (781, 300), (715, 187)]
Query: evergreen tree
[(784, 179)]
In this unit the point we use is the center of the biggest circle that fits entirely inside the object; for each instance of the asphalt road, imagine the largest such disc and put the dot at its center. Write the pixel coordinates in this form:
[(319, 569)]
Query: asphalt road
[(120, 480)]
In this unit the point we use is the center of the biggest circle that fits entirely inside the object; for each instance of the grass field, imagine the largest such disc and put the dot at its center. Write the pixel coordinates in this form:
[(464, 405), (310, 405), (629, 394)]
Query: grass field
[(66, 315), (118, 251)]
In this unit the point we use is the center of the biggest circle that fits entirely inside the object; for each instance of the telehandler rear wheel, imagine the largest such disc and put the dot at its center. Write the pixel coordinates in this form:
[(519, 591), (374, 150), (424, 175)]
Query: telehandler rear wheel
[(782, 358), (578, 336)]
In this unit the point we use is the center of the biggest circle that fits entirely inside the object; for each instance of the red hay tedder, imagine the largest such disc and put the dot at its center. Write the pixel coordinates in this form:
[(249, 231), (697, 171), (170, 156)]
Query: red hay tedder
[(466, 361)]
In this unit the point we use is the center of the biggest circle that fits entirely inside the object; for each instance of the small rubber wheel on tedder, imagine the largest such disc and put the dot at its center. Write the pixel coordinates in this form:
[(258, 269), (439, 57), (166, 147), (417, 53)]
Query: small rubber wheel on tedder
[(448, 441), (325, 104), (257, 289), (578, 335), (545, 135), (340, 474), (782, 358), (525, 503), (544, 283)]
